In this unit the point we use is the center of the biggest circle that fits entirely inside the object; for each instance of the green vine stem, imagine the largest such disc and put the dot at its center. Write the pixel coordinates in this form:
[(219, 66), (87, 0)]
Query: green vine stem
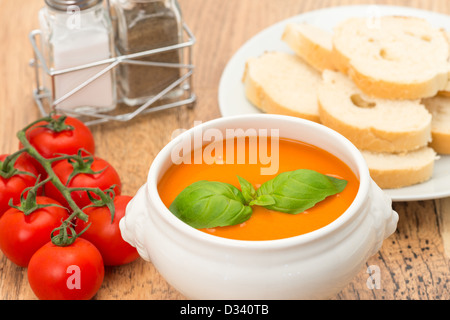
[(7, 169), (47, 165), (28, 203), (63, 238)]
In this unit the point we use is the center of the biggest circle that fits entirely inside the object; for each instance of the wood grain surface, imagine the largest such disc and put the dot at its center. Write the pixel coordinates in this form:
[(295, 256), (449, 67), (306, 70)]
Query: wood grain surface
[(413, 263)]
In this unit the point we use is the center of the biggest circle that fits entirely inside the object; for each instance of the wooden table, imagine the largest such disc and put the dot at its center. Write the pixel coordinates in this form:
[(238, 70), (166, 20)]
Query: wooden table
[(413, 263)]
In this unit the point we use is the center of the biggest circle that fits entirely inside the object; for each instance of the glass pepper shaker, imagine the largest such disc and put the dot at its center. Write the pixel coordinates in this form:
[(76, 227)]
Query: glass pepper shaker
[(75, 33), (143, 25)]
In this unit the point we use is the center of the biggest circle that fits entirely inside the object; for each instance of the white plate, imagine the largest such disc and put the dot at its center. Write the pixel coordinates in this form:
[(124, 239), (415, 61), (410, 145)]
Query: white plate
[(232, 100)]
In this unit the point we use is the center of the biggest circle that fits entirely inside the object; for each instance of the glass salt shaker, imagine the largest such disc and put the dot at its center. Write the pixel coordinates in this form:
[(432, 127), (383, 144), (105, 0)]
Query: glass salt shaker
[(143, 25), (75, 33)]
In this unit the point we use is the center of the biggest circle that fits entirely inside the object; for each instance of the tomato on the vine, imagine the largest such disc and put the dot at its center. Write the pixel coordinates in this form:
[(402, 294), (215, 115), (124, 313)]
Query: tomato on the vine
[(105, 234), (63, 135), (103, 176), (72, 272), (21, 234), (13, 186)]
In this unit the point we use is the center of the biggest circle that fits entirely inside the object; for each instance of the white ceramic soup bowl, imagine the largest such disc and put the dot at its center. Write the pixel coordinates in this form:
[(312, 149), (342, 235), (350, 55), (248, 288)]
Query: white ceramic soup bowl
[(315, 265)]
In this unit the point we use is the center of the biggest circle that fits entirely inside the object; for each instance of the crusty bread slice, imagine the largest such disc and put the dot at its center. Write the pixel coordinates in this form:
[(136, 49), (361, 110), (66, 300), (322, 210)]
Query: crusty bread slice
[(372, 124), (446, 91), (396, 58), (311, 43), (439, 107), (282, 83), (397, 170)]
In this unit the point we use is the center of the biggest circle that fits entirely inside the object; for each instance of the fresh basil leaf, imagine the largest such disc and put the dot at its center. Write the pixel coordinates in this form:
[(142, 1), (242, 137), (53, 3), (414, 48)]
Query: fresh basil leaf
[(209, 204), (296, 191), (247, 189)]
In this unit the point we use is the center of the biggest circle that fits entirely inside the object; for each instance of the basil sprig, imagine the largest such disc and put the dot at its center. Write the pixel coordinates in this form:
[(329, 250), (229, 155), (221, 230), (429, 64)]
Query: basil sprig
[(209, 204), (296, 191)]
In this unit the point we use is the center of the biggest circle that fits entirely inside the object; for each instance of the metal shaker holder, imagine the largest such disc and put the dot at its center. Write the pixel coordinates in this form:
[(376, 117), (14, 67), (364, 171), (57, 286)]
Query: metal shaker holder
[(45, 103)]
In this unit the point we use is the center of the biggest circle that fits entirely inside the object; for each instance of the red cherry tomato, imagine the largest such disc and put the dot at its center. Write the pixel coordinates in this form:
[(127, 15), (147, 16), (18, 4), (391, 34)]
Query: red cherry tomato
[(73, 272), (22, 235), (105, 235), (106, 177), (13, 187), (51, 142)]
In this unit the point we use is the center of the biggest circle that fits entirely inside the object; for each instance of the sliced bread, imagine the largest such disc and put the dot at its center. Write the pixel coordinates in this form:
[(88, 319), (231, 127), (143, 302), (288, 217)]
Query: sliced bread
[(282, 83), (372, 124), (398, 58), (397, 170), (439, 107), (446, 91), (311, 43)]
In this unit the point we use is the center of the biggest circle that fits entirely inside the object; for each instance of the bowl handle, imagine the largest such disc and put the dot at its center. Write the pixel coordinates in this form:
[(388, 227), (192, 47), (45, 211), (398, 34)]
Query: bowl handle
[(384, 217), (132, 225)]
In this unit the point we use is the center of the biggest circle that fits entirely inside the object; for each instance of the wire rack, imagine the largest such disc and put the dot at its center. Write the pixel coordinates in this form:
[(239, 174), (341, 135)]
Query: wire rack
[(43, 96)]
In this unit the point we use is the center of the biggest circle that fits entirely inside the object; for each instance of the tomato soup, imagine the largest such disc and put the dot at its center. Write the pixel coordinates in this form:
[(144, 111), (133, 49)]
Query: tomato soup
[(265, 224)]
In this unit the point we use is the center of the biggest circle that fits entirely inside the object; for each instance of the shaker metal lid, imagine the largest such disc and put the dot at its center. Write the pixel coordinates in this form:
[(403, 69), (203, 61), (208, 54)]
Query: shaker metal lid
[(63, 5)]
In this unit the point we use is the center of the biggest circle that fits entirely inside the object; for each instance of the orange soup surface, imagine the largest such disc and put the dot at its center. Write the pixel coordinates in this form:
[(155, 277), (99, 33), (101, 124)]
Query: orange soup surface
[(266, 224)]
